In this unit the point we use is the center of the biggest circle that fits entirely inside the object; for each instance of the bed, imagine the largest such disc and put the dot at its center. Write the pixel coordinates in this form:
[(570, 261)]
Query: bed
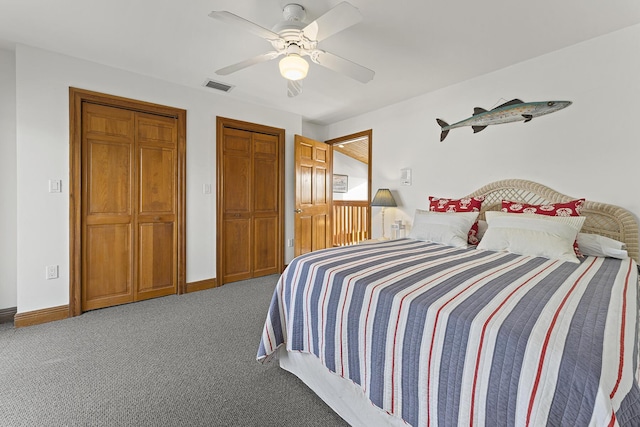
[(412, 332)]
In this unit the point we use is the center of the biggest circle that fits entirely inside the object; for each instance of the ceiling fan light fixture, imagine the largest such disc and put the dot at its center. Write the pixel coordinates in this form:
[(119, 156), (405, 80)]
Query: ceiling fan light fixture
[(293, 67)]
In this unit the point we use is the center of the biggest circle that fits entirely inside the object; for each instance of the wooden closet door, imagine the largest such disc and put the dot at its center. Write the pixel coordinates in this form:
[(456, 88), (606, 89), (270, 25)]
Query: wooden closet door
[(108, 208), (250, 179), (129, 206)]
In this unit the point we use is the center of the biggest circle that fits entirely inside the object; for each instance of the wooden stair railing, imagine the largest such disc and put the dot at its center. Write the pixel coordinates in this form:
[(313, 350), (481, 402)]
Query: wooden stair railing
[(350, 222)]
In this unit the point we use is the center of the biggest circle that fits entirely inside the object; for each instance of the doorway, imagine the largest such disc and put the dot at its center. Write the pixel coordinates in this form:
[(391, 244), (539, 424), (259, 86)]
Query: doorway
[(127, 200), (351, 188)]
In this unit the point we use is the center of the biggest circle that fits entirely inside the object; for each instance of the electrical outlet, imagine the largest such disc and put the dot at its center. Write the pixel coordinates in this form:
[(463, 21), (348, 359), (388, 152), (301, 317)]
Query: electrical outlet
[(52, 272), (290, 243)]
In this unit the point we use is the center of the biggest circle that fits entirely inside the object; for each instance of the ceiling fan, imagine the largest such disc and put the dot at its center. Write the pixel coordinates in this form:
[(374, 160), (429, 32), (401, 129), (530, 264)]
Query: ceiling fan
[(293, 40)]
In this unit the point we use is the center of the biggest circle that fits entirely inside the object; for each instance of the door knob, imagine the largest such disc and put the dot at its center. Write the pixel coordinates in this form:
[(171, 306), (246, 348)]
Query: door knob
[(298, 211)]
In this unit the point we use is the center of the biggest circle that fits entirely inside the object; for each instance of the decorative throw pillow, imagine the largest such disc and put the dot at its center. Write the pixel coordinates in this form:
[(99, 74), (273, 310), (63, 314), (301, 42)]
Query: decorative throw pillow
[(572, 208), (447, 228), (532, 235), (468, 204), (596, 245)]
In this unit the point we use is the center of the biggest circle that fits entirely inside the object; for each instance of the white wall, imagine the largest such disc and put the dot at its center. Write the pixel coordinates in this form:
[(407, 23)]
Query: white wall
[(590, 149), (8, 259), (358, 177), (314, 131), (42, 104)]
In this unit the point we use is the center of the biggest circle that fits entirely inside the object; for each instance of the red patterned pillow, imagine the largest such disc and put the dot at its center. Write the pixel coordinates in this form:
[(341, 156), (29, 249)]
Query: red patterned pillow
[(469, 204), (572, 208)]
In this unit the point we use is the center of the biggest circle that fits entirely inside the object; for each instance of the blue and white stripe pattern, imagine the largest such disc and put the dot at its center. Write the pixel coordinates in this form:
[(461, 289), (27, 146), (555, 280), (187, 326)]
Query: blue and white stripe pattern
[(442, 336)]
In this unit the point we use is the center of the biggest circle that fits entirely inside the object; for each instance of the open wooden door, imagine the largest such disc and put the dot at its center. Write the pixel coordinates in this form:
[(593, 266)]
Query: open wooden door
[(313, 195)]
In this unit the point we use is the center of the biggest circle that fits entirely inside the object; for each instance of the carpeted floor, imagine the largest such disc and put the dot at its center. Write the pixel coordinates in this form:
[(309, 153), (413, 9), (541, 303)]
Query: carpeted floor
[(185, 360)]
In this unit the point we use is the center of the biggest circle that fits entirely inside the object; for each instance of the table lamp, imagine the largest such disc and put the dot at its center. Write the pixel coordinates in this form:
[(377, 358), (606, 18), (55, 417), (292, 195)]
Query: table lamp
[(383, 198)]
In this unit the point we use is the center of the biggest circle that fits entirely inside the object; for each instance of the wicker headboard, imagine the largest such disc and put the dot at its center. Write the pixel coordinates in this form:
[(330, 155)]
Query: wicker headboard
[(607, 220)]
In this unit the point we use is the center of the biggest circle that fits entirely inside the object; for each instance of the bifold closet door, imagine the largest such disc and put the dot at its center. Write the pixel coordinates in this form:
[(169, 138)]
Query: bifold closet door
[(249, 169), (129, 188)]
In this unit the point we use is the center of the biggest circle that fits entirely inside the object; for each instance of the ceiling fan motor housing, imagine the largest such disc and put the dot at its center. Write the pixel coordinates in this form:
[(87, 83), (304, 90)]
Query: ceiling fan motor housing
[(290, 30), (294, 12)]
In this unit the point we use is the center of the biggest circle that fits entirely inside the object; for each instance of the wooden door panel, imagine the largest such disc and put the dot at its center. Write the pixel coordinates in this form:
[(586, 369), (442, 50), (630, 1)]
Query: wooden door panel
[(320, 232), (108, 178), (156, 130), (305, 151), (107, 268), (265, 180), (107, 122), (156, 271), (157, 178), (320, 194), (265, 146), (237, 257), (321, 154), (236, 184), (304, 233), (238, 141), (306, 191), (265, 230)]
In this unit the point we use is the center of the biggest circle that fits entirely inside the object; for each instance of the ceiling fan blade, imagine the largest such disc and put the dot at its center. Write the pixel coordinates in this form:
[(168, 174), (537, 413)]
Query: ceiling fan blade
[(335, 20), (236, 20), (344, 66), (248, 62), (294, 88)]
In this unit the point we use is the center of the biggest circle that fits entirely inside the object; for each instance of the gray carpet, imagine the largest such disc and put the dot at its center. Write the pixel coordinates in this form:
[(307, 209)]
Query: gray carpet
[(185, 360)]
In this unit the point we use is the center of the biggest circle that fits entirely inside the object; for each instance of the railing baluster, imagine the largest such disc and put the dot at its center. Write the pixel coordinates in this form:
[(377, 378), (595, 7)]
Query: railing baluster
[(350, 222)]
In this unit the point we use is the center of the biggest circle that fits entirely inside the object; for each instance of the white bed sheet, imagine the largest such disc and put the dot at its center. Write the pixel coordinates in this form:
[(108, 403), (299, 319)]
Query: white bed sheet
[(342, 395)]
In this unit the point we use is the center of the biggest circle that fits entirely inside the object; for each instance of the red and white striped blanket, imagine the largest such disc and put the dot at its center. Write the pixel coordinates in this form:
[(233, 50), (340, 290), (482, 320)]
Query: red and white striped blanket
[(444, 336)]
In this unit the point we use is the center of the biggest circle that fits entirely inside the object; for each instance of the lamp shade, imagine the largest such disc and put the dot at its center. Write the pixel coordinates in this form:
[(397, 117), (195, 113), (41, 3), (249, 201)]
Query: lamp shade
[(383, 197), (293, 67)]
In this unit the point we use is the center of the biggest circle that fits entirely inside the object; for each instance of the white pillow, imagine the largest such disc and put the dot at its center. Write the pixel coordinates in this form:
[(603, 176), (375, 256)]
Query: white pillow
[(448, 228), (482, 228), (596, 245), (533, 235)]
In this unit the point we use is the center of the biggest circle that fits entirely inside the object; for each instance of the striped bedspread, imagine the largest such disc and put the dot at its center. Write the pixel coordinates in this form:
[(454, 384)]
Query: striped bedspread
[(444, 336)]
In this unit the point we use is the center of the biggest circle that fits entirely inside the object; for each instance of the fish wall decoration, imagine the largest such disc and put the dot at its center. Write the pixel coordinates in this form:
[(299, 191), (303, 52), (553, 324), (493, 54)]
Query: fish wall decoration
[(511, 111)]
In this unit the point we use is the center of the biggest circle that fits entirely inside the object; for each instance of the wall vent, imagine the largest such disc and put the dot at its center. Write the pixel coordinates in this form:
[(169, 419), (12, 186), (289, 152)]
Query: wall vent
[(217, 85)]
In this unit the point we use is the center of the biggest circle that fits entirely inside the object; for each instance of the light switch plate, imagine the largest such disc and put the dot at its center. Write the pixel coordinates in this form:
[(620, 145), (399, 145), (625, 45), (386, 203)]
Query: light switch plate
[(405, 176), (55, 186)]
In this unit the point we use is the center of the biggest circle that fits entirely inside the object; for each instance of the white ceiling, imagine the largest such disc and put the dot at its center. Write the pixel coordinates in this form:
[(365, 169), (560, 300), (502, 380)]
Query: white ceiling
[(414, 46)]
